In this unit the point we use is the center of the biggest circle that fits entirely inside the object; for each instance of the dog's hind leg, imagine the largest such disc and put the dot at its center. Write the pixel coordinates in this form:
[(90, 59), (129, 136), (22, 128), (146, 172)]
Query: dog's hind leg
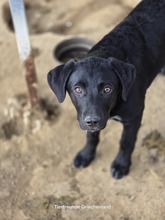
[(121, 164), (87, 154)]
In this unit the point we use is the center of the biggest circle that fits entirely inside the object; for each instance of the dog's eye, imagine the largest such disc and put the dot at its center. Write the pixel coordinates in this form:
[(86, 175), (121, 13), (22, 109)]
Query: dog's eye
[(78, 89), (107, 89)]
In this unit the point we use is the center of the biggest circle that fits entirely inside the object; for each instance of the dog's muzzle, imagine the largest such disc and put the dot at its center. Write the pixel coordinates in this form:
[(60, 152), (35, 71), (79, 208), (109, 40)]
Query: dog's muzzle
[(92, 124)]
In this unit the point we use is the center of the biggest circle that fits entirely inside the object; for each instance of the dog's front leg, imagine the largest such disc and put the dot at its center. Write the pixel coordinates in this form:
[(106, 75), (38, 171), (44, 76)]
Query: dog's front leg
[(121, 164), (87, 154)]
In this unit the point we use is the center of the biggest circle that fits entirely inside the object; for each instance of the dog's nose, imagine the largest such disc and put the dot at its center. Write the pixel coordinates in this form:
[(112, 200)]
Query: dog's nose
[(92, 122)]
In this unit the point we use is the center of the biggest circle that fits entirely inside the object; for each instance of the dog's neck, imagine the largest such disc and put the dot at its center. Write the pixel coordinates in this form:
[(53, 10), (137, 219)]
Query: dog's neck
[(105, 54)]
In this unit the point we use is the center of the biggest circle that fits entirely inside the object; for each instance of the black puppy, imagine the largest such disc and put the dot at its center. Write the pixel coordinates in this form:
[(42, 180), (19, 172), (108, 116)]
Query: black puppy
[(111, 81)]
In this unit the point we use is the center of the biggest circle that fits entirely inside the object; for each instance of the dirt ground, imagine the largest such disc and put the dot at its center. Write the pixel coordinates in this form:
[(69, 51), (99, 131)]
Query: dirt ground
[(37, 148)]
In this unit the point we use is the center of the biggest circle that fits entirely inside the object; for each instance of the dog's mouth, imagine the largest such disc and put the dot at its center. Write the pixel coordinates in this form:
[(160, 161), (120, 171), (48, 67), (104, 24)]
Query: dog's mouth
[(93, 130)]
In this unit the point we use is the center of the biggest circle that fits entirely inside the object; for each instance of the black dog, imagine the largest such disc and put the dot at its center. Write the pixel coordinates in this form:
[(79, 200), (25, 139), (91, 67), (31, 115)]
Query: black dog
[(111, 81)]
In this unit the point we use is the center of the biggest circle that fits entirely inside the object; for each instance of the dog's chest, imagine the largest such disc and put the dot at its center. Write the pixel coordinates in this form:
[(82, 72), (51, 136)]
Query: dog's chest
[(116, 118)]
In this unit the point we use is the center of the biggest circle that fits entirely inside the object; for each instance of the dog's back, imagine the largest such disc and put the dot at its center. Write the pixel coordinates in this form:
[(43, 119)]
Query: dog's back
[(139, 39)]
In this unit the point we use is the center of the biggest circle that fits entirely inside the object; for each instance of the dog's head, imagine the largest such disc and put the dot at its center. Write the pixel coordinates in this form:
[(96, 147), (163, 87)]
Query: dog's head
[(93, 84)]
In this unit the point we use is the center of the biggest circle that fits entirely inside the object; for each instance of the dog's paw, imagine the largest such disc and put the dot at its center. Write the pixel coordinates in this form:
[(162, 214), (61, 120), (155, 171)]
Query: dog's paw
[(118, 170), (81, 160)]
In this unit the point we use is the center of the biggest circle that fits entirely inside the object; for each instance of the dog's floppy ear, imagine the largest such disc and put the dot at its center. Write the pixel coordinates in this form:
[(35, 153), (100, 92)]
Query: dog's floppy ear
[(58, 77), (126, 73)]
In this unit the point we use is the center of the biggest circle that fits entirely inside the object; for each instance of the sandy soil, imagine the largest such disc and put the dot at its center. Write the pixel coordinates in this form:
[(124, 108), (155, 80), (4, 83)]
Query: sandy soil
[(37, 148)]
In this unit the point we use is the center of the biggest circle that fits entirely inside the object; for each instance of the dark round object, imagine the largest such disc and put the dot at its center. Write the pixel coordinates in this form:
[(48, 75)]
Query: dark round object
[(73, 48)]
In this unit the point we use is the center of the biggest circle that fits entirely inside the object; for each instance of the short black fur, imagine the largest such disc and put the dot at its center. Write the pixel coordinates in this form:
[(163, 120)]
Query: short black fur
[(111, 81)]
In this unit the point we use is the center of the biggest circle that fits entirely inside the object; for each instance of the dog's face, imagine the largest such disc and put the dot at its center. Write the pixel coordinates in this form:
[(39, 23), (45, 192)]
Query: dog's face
[(93, 85), (93, 92)]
